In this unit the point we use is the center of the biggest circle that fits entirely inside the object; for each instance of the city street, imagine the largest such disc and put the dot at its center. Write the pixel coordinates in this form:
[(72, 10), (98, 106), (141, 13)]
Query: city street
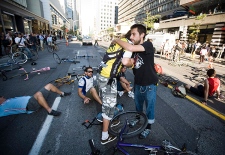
[(177, 119)]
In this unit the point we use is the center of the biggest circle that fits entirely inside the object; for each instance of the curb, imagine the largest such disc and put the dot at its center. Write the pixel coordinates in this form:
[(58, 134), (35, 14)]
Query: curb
[(207, 108)]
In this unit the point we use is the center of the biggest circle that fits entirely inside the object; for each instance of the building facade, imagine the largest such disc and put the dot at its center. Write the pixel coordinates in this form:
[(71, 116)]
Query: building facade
[(178, 17), (16, 16)]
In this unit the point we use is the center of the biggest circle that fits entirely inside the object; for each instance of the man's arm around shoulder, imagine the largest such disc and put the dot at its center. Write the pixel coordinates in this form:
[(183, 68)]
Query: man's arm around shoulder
[(129, 47)]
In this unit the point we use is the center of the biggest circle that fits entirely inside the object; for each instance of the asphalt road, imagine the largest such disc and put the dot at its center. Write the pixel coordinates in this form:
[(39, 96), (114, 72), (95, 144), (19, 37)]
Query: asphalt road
[(177, 119)]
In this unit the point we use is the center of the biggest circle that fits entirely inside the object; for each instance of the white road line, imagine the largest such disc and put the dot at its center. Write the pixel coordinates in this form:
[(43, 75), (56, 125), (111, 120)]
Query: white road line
[(44, 130)]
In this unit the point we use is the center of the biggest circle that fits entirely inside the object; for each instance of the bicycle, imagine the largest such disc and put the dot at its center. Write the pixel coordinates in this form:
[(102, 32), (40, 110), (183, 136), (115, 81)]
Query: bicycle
[(7, 64), (34, 54), (163, 79), (17, 56), (59, 61), (27, 73), (53, 47), (132, 123), (67, 79)]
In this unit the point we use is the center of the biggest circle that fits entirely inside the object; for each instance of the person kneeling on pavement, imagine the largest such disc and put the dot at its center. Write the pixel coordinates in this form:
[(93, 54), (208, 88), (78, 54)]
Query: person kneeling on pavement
[(210, 87), (29, 104), (123, 85), (86, 90)]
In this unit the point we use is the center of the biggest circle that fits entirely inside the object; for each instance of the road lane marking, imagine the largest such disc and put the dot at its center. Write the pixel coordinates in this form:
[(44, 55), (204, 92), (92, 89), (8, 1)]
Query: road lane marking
[(44, 130)]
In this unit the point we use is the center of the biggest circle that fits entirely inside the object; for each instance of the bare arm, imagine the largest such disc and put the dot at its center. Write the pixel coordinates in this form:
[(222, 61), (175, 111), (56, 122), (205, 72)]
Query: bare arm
[(218, 92), (128, 62), (86, 99), (206, 89), (122, 79), (129, 47)]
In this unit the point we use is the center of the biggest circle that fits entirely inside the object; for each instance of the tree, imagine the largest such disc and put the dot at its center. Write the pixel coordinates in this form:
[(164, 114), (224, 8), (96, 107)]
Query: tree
[(196, 27), (63, 28), (150, 20)]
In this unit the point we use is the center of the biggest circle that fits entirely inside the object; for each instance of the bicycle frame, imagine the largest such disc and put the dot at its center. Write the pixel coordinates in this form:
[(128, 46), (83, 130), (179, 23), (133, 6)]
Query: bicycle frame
[(27, 73), (165, 147)]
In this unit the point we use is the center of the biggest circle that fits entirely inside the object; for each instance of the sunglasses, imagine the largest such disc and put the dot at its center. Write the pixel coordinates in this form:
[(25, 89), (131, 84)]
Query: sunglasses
[(90, 71)]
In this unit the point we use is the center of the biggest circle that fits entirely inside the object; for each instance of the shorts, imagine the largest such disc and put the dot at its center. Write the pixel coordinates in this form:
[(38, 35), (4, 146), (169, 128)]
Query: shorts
[(88, 93), (108, 95), (198, 91), (33, 104)]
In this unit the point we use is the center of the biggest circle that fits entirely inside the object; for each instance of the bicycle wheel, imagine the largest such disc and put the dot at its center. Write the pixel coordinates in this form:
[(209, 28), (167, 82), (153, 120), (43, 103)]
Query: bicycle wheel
[(56, 58), (49, 48), (134, 121), (34, 55), (19, 58)]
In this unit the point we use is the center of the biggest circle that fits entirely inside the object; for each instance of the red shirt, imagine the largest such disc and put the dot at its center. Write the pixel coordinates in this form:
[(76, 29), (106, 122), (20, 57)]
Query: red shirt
[(213, 85)]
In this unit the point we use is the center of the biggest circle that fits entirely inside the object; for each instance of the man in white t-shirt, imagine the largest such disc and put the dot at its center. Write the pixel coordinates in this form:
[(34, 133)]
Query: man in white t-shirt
[(19, 40), (86, 89)]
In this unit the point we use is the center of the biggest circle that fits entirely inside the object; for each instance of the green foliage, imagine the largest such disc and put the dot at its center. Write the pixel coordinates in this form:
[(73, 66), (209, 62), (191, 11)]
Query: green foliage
[(110, 29), (196, 27), (150, 20), (63, 27), (71, 32)]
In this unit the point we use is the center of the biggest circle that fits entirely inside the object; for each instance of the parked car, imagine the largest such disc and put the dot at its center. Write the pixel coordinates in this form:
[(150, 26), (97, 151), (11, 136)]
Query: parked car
[(87, 40), (73, 38)]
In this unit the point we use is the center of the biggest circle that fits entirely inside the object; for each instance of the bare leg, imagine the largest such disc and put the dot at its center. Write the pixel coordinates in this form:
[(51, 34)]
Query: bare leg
[(125, 87), (41, 100), (95, 95), (105, 125), (52, 88)]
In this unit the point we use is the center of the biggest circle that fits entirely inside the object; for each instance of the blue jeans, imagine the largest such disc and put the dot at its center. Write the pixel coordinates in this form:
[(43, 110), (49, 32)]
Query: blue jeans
[(27, 51), (146, 94)]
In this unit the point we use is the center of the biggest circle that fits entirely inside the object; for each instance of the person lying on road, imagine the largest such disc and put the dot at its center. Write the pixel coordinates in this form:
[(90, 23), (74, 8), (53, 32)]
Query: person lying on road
[(86, 89), (29, 104)]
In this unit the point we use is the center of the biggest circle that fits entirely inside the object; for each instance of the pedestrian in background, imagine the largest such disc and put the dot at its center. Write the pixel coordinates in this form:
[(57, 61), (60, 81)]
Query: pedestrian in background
[(203, 53), (41, 38), (96, 41)]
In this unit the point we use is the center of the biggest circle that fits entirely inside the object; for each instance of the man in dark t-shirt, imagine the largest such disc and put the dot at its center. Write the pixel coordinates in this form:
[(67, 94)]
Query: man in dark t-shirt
[(145, 77)]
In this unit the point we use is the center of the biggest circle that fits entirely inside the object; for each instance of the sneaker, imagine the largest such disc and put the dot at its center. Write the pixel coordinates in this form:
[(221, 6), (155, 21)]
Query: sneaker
[(120, 93), (109, 139), (131, 94), (115, 123), (144, 134), (65, 94), (54, 113)]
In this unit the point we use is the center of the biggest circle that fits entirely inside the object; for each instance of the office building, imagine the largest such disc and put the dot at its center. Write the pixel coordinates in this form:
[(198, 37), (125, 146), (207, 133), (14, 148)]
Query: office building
[(178, 16)]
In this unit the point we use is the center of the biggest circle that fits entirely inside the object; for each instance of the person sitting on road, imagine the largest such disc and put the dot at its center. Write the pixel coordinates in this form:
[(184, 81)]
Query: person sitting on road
[(211, 86), (123, 85), (86, 89), (20, 41), (29, 104)]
